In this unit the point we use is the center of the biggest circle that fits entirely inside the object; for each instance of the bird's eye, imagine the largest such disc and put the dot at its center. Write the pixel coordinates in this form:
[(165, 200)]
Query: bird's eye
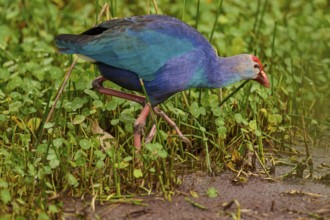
[(257, 66)]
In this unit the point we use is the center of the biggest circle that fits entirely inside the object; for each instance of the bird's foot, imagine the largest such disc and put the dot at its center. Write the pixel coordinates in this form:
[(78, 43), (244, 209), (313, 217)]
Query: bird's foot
[(138, 126), (151, 134), (172, 123), (98, 83), (140, 121)]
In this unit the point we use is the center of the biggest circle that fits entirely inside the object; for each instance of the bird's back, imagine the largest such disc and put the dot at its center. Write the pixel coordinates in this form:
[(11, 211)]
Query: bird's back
[(141, 44), (166, 53)]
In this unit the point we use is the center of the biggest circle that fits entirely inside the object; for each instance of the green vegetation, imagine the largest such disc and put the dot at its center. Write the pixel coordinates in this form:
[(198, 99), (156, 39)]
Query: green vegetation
[(68, 156)]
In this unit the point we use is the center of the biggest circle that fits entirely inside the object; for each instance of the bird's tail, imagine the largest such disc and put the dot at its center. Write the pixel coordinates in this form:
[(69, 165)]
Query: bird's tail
[(65, 43), (69, 43)]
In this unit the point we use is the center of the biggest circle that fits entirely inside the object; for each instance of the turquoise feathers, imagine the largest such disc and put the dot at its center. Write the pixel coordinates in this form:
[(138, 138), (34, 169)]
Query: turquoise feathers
[(167, 54)]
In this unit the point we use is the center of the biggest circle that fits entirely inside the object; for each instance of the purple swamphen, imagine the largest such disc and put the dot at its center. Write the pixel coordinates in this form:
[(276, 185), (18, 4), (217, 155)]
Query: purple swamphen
[(163, 54)]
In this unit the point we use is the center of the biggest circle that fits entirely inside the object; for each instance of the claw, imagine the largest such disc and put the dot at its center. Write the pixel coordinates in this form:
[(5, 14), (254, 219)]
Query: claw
[(98, 83), (172, 123), (151, 134)]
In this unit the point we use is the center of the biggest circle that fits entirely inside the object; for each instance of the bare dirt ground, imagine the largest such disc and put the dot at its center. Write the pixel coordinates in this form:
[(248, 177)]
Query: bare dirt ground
[(258, 198)]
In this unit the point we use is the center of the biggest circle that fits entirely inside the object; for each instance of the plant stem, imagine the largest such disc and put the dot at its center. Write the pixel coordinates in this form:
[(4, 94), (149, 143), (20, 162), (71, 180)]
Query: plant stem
[(233, 92), (216, 20), (272, 55), (155, 6)]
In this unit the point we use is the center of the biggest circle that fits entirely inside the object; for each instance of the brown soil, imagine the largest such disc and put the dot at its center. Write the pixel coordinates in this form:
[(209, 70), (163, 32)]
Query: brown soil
[(258, 198)]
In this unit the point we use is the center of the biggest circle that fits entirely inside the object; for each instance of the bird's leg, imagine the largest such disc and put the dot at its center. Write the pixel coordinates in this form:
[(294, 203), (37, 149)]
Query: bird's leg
[(98, 85), (140, 121), (172, 123), (138, 126), (151, 134)]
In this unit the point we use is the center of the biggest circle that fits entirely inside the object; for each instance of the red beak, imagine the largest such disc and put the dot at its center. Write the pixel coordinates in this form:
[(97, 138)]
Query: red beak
[(263, 79)]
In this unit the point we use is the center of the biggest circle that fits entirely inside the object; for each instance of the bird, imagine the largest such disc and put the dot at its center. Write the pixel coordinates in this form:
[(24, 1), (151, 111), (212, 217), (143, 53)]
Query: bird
[(159, 56)]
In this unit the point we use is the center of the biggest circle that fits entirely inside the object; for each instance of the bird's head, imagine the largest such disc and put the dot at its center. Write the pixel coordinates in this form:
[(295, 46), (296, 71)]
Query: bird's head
[(259, 74), (244, 66)]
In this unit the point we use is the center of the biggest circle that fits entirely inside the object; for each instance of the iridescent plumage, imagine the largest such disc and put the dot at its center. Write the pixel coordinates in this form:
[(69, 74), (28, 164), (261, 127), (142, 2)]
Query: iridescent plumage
[(167, 54)]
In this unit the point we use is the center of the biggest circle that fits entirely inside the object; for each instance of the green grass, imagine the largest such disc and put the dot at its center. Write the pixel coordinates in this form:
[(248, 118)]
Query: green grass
[(41, 161)]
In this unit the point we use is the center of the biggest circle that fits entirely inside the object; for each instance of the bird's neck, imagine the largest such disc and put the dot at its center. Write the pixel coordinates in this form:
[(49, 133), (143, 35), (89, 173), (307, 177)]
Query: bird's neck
[(217, 72), (223, 71)]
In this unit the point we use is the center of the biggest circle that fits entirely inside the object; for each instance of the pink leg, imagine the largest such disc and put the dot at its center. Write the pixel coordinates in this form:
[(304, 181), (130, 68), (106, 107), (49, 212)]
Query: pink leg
[(140, 121), (98, 85), (138, 126), (172, 123), (151, 134)]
